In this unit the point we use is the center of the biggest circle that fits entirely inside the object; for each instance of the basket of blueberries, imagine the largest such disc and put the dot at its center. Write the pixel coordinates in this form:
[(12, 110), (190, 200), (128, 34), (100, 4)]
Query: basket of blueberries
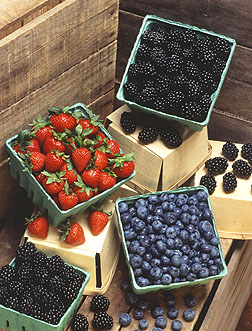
[(169, 239)]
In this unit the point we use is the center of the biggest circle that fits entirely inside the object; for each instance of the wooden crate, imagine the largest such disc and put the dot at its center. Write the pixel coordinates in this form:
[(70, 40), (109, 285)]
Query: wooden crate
[(155, 162), (232, 211), (53, 53)]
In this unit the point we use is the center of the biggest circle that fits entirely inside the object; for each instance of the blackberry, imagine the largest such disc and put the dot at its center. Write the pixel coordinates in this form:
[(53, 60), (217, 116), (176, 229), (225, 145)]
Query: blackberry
[(148, 134), (100, 303), (206, 57), (56, 284), (188, 37), (40, 258), (207, 81), (15, 288), (180, 81), (3, 294), (174, 64), (194, 89), (218, 68), (147, 96), (26, 303), (70, 292), (174, 35), (143, 52), (7, 274), (128, 122), (188, 52), (191, 70), (174, 48), (130, 91), (216, 165), (221, 47), (12, 303), (209, 182), (229, 182), (133, 71), (102, 320), (205, 102), (250, 159), (24, 272), (163, 85), (242, 169), (193, 111), (203, 42), (175, 97), (25, 253), (40, 275), (230, 151), (80, 323), (55, 265), (246, 150), (170, 137), (160, 104), (53, 316)]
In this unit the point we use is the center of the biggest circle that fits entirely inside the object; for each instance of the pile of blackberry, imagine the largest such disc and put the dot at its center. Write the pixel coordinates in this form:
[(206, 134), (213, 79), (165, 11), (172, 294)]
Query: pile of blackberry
[(176, 71), (39, 286)]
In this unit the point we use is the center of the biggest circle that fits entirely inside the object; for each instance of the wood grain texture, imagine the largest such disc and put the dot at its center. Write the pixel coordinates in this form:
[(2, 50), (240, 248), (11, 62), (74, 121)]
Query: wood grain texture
[(46, 48)]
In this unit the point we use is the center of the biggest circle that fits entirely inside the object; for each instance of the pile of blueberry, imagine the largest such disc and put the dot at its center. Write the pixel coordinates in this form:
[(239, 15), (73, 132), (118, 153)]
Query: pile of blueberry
[(170, 238)]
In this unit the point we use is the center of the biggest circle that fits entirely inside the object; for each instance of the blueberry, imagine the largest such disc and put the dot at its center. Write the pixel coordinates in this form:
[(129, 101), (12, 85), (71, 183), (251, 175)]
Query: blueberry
[(190, 300), (178, 252), (147, 257), (205, 248), (215, 252), (166, 279), (210, 262), (142, 304), (215, 241), (170, 243), (165, 206), (161, 322), (185, 218), (142, 212), (145, 242), (191, 276), (205, 257), (125, 286), (184, 270), (138, 314), (178, 243), (151, 209), (193, 210), (134, 246), (143, 325), (149, 219), (172, 197), (172, 232), (180, 225), (163, 197), (157, 329), (138, 272), (153, 199), (170, 300), (126, 227), (130, 234), (146, 267), (194, 220), (185, 208), (195, 267), (131, 298), (160, 246), (165, 260), (126, 218), (208, 235), (214, 270), (193, 200), (142, 281), (202, 205), (123, 207), (140, 203), (189, 315), (159, 212), (174, 271), (132, 211), (141, 250), (183, 196), (176, 260), (202, 195), (152, 237), (185, 249), (203, 273), (139, 226), (185, 259), (125, 319), (155, 262), (157, 225), (154, 252), (163, 230), (184, 236), (218, 261), (136, 260), (169, 252), (194, 237), (172, 313), (176, 325), (155, 273), (127, 243), (157, 311), (177, 211), (207, 214), (190, 228)]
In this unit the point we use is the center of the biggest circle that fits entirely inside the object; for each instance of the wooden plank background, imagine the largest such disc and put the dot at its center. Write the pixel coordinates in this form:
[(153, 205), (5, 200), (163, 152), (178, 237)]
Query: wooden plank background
[(232, 117)]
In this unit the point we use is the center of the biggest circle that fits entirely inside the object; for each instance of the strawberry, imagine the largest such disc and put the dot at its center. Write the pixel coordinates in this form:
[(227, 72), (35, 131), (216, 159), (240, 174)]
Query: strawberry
[(38, 226), (52, 143), (54, 161), (70, 145), (100, 136), (91, 177), (61, 119), (82, 191), (101, 160), (38, 161), (81, 158), (72, 233), (123, 166), (70, 173), (67, 198), (53, 182), (41, 129), (97, 221), (106, 181), (87, 125), (113, 147), (39, 177), (26, 142)]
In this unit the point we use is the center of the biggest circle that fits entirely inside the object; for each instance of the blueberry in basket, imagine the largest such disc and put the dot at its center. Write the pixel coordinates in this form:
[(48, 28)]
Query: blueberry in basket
[(171, 239)]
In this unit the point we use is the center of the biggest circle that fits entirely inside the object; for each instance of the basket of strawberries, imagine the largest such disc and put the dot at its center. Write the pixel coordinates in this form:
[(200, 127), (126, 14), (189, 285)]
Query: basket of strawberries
[(68, 162)]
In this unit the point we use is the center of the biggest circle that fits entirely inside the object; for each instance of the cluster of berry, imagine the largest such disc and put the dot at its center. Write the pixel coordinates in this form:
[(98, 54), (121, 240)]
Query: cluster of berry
[(39, 286), (71, 157), (218, 165), (176, 70), (170, 238), (150, 131), (101, 320), (140, 304)]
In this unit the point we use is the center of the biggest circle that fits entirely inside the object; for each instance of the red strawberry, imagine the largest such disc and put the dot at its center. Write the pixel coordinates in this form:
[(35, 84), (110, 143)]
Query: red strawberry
[(52, 143), (97, 221), (41, 129), (82, 191), (100, 136), (87, 125), (38, 226), (70, 145), (54, 161), (101, 160), (26, 142), (114, 148), (39, 177), (72, 233), (106, 181), (61, 119), (53, 182), (123, 166), (67, 199), (70, 173), (91, 177), (38, 161), (81, 157)]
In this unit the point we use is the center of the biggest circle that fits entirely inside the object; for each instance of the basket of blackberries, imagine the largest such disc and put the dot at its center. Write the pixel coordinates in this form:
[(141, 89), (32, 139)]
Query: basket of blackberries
[(169, 239), (176, 71)]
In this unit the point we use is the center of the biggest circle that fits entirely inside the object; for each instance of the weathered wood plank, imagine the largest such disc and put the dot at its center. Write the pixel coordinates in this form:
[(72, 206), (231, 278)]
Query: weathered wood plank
[(45, 48), (9, 189), (85, 82), (231, 18)]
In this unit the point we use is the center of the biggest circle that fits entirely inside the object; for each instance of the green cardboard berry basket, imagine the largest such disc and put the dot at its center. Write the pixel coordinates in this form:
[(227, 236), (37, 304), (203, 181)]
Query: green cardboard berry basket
[(146, 24), (13, 320), (153, 288), (37, 193)]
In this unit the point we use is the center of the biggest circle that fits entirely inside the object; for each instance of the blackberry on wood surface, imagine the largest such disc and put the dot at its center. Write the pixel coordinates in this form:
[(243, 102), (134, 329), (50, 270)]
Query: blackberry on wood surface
[(242, 169), (102, 320), (209, 182), (148, 134), (170, 137), (230, 151), (229, 182), (246, 150), (128, 122), (216, 165), (99, 303), (80, 323)]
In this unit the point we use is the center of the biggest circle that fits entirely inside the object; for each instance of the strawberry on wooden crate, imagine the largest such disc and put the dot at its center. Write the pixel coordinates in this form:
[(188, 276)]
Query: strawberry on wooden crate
[(68, 162)]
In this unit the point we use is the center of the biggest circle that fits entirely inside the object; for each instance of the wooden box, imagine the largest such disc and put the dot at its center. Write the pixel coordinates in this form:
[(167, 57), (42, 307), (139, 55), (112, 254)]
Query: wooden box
[(232, 211), (52, 53), (159, 167)]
